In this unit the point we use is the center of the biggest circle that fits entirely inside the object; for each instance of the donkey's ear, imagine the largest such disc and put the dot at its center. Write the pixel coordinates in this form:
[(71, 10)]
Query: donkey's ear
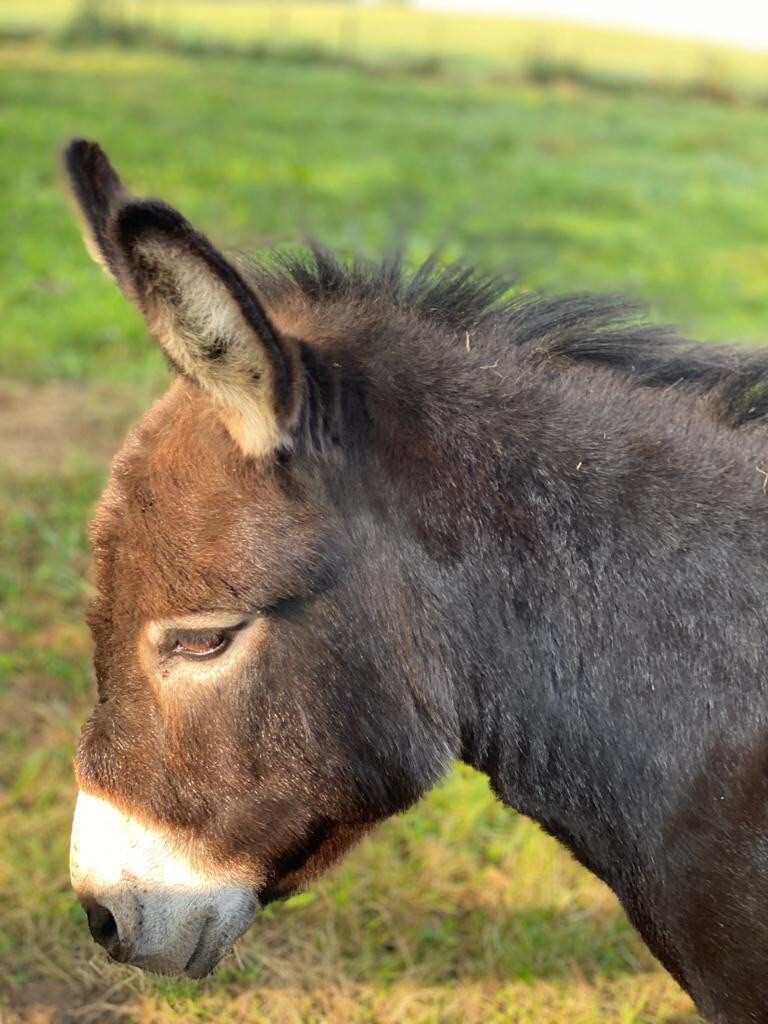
[(206, 318), (99, 192)]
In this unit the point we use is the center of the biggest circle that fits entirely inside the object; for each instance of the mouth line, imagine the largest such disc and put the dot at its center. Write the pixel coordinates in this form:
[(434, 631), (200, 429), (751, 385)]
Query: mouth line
[(199, 945)]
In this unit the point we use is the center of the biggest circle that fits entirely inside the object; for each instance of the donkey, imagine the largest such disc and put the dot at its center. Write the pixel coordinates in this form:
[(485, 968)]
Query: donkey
[(381, 522)]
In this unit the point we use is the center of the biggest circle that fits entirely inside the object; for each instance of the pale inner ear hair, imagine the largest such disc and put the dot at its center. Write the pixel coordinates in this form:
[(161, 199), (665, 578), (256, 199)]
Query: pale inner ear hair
[(201, 327), (93, 248)]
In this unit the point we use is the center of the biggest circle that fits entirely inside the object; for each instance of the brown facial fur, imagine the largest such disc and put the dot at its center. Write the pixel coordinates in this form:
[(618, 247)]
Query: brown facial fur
[(187, 524), (205, 526)]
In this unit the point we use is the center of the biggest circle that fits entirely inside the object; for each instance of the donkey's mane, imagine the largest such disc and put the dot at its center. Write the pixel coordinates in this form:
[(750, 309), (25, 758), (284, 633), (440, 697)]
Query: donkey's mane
[(597, 329)]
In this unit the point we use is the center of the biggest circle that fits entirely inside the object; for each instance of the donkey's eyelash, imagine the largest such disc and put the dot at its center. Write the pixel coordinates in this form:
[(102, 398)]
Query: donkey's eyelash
[(197, 644)]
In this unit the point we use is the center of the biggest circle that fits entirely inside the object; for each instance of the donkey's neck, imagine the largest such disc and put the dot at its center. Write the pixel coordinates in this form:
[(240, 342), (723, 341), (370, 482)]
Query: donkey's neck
[(576, 543)]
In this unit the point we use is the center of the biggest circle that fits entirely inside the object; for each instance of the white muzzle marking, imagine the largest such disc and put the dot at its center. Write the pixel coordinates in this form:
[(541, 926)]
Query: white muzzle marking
[(171, 917)]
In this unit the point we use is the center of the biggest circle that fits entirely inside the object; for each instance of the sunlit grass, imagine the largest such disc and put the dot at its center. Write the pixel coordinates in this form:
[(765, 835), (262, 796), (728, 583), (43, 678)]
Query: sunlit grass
[(664, 197)]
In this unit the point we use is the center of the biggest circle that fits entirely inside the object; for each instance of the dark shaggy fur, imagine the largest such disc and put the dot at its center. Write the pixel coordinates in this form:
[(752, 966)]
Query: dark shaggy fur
[(604, 330), (530, 533)]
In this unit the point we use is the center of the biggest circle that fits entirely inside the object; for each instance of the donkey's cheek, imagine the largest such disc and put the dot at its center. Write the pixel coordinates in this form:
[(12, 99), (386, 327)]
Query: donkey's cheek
[(147, 902)]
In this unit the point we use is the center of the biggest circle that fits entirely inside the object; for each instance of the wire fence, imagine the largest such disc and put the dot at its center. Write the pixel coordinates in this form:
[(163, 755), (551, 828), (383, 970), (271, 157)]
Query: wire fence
[(346, 27), (390, 35)]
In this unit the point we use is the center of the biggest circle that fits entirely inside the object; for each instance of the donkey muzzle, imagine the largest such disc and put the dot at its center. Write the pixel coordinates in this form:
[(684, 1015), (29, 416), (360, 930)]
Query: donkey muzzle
[(147, 903)]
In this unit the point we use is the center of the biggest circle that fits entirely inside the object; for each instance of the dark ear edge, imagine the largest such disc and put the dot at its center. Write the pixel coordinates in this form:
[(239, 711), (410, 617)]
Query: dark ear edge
[(99, 193)]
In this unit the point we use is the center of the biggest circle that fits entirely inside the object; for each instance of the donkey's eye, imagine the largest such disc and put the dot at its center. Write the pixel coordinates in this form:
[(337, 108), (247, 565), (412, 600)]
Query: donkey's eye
[(200, 645)]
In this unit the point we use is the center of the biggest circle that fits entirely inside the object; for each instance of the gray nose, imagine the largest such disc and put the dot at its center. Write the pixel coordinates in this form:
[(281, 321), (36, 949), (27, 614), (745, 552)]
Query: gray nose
[(103, 927)]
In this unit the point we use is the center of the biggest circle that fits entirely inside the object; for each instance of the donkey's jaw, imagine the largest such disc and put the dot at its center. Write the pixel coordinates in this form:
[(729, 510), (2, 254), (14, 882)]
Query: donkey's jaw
[(148, 904)]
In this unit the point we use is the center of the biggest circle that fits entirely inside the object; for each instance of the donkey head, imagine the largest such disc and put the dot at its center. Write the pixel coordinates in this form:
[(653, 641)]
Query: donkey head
[(256, 710)]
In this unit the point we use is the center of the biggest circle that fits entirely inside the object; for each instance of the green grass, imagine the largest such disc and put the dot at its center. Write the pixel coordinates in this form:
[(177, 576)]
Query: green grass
[(458, 911), (666, 198)]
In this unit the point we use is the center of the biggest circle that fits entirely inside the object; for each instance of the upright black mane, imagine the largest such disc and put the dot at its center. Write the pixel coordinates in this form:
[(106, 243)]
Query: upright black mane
[(602, 330)]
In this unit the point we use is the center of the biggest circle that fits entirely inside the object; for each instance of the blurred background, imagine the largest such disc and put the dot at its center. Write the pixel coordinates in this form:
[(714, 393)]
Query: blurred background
[(567, 154)]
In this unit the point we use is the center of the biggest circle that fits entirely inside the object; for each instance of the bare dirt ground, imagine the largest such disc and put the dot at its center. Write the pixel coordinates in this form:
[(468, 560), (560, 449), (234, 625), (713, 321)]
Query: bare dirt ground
[(49, 1001), (45, 428)]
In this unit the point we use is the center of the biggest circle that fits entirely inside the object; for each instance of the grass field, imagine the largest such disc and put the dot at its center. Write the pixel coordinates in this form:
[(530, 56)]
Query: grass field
[(458, 912)]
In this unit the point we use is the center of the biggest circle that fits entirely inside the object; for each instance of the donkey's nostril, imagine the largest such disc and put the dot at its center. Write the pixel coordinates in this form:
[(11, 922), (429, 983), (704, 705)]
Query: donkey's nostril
[(103, 927)]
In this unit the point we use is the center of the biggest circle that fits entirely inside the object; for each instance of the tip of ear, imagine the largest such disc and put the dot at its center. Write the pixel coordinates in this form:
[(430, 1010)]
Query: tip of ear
[(94, 180), (77, 150)]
